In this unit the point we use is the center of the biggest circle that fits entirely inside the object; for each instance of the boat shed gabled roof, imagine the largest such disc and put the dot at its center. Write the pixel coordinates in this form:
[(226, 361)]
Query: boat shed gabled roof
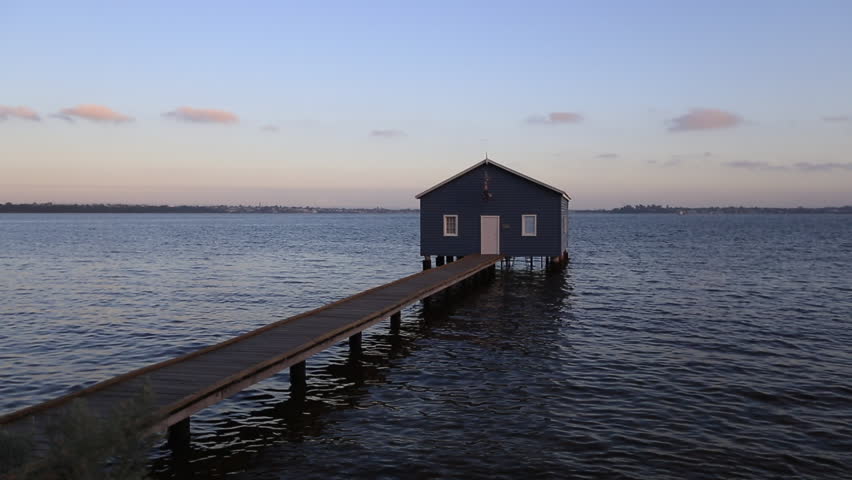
[(488, 161)]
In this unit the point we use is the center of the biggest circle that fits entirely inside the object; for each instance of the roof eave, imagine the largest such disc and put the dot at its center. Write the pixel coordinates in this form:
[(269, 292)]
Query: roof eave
[(451, 178)]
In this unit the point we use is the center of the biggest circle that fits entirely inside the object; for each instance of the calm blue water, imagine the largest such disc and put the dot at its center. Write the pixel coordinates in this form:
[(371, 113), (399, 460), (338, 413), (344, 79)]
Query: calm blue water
[(671, 347)]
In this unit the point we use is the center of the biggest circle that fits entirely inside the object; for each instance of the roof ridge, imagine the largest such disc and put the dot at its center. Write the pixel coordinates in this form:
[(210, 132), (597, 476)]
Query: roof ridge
[(488, 161)]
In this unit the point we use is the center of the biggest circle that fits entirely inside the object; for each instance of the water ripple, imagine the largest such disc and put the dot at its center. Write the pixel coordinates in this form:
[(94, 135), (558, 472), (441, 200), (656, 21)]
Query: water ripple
[(671, 347)]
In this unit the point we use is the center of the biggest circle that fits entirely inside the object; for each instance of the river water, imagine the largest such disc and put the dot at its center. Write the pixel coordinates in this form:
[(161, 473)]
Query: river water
[(670, 347)]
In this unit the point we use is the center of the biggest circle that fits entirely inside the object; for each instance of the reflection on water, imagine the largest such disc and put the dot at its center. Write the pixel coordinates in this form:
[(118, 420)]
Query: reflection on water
[(274, 426), (671, 347)]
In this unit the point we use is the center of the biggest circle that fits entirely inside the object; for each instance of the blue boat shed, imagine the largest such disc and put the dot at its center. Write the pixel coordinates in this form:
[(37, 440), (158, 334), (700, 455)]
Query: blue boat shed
[(492, 209)]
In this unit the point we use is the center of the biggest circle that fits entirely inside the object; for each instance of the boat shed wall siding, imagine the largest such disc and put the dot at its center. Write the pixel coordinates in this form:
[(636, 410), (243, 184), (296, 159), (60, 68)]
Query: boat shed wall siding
[(511, 197), (564, 212)]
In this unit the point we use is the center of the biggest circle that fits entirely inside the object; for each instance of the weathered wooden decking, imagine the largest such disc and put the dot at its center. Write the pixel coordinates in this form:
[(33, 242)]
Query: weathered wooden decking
[(186, 384)]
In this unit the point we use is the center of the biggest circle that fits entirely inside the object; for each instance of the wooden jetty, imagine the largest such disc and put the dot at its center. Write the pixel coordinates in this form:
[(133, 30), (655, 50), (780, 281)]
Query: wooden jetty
[(189, 383)]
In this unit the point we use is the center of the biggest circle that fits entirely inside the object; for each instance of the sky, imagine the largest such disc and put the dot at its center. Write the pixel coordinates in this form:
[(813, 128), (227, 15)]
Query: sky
[(365, 104)]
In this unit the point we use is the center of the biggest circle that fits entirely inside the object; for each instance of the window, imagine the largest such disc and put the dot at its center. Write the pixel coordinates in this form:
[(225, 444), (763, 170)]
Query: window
[(451, 225), (528, 225)]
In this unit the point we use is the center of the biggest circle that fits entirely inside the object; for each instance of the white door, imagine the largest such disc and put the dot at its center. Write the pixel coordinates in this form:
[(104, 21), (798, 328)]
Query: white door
[(489, 235)]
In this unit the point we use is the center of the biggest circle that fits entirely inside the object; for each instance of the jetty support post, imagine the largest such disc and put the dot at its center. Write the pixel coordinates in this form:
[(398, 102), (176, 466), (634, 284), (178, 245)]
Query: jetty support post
[(395, 322), (179, 436), (298, 379), (355, 345)]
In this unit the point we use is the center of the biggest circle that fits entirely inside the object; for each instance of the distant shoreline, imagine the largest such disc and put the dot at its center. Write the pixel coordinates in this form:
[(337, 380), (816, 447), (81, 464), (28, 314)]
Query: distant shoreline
[(276, 209), (847, 209), (125, 208)]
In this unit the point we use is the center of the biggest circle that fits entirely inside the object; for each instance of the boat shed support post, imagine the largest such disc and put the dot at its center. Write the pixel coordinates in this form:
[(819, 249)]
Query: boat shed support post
[(439, 261), (427, 262), (554, 262)]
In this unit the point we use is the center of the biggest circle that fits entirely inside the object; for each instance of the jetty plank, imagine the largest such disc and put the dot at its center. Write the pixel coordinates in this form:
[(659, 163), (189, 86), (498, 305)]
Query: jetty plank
[(186, 384)]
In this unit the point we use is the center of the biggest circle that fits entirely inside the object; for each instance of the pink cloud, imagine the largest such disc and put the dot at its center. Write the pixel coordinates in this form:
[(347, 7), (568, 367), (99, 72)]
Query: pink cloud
[(555, 118), (837, 118), (95, 113), (202, 115), (389, 133), (24, 113), (704, 119)]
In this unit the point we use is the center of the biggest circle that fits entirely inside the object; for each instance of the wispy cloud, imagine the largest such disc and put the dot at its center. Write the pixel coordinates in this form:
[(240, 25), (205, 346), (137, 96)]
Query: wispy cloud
[(202, 115), (23, 113), (837, 118), (95, 113), (704, 119), (607, 155), (387, 133), (555, 118), (751, 165), (672, 162), (270, 128), (798, 167), (62, 116), (692, 156), (822, 167), (680, 158)]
